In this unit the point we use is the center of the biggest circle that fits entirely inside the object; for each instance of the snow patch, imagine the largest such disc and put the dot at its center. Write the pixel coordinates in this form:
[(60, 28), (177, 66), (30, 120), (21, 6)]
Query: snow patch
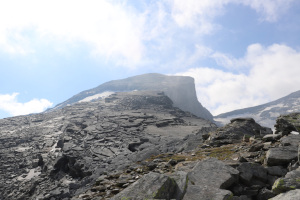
[(97, 96)]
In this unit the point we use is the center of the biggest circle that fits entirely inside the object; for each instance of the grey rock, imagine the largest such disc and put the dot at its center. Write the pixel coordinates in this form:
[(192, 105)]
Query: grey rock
[(181, 179), (251, 172), (265, 194), (281, 155), (276, 171), (290, 195), (290, 140), (196, 192), (150, 186), (271, 137), (236, 131), (217, 174), (291, 181)]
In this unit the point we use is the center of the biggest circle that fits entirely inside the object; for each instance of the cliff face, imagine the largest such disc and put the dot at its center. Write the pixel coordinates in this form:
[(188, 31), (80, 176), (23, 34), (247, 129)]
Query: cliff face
[(180, 89)]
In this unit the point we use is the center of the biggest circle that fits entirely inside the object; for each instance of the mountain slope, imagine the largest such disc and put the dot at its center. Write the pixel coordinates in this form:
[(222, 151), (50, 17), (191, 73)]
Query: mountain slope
[(265, 114), (61, 153), (180, 89)]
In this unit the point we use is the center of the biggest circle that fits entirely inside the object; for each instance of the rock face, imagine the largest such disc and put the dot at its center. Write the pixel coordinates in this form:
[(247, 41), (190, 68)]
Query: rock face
[(62, 153), (265, 114), (180, 89)]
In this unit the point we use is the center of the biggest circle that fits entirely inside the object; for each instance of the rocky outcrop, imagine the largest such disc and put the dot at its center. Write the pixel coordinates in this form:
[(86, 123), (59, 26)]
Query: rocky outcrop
[(180, 89), (236, 130)]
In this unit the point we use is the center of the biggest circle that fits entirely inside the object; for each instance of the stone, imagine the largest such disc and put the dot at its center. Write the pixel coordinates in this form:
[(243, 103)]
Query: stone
[(265, 194), (181, 179), (276, 171), (150, 186), (256, 147), (196, 192), (291, 181), (217, 174), (234, 132), (290, 140), (281, 155), (251, 173), (271, 137), (290, 195)]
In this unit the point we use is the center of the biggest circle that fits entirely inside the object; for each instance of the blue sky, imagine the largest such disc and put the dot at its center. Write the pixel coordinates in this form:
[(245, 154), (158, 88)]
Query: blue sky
[(241, 52)]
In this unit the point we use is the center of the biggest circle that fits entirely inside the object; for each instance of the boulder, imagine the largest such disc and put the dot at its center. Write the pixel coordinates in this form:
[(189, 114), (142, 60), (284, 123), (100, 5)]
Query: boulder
[(217, 174), (252, 173), (209, 178), (290, 140), (235, 131), (271, 137), (290, 195), (291, 181), (150, 186), (281, 155), (196, 192)]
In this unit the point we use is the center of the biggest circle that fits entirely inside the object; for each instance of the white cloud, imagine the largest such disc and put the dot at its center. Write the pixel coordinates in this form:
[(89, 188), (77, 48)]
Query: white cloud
[(200, 14), (269, 9), (10, 104), (273, 73), (110, 29)]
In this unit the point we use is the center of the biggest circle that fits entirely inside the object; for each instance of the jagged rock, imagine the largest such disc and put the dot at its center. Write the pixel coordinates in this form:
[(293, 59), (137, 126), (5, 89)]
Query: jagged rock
[(281, 155), (252, 174), (150, 186), (291, 181), (290, 195), (213, 175), (236, 131), (181, 179)]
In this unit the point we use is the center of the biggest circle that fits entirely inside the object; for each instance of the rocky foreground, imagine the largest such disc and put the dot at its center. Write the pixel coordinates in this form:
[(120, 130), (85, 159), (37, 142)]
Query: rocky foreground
[(136, 145)]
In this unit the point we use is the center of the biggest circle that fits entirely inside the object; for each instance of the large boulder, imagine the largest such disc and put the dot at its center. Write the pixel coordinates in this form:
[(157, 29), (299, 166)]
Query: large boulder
[(281, 155), (252, 174), (209, 179), (151, 186), (290, 195), (291, 181)]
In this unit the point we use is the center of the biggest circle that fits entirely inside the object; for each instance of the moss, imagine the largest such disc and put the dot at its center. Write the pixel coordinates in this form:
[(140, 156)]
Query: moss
[(230, 197), (279, 186)]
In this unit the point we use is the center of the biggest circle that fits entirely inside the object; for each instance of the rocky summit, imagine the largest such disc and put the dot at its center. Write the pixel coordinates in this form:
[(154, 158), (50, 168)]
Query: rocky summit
[(180, 89), (137, 145)]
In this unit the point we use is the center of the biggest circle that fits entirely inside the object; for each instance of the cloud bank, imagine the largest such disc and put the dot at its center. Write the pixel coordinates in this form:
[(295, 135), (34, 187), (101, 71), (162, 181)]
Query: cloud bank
[(272, 72), (10, 104)]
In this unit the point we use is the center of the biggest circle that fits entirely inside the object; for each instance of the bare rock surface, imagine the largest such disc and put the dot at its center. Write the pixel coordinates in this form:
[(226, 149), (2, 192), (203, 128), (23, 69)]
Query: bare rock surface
[(60, 154)]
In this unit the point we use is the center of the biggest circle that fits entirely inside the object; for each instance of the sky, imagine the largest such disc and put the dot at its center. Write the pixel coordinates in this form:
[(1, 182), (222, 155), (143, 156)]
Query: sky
[(241, 53)]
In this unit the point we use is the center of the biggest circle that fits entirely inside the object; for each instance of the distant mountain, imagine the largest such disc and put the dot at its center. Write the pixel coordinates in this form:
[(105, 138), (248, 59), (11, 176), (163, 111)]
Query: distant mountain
[(265, 114), (180, 89)]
